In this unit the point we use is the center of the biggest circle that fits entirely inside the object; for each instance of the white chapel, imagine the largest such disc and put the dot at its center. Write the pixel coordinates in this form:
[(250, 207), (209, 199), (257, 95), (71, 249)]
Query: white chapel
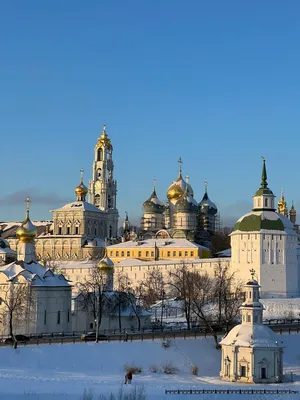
[(252, 352)]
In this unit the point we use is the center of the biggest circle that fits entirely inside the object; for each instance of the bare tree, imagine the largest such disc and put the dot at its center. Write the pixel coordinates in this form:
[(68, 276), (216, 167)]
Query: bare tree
[(181, 286), (122, 283), (226, 294), (151, 289), (94, 298), (16, 300)]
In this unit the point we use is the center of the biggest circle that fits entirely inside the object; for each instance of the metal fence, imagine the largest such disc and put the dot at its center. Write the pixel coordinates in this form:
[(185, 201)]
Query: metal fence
[(231, 391)]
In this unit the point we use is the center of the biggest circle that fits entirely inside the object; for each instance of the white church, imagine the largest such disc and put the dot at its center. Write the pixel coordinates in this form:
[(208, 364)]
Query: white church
[(267, 242)]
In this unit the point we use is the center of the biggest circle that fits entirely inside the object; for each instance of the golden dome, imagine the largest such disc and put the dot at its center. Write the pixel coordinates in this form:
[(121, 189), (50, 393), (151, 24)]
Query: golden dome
[(104, 139), (175, 191), (26, 231), (81, 190), (106, 263)]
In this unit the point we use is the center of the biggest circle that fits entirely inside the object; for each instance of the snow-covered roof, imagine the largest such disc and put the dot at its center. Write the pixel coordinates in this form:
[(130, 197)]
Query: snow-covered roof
[(224, 253), (7, 250), (34, 272), (79, 205), (244, 335), (260, 221), (162, 243)]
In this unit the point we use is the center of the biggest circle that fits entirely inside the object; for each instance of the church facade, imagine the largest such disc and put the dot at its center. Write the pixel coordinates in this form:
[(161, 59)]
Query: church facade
[(180, 216), (80, 228)]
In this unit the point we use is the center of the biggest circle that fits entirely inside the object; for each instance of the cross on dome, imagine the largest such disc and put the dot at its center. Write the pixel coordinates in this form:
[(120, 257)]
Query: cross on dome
[(205, 185), (81, 175), (27, 201), (180, 162)]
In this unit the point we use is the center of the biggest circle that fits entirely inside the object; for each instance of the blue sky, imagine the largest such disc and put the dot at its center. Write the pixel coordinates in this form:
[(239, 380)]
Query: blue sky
[(215, 82)]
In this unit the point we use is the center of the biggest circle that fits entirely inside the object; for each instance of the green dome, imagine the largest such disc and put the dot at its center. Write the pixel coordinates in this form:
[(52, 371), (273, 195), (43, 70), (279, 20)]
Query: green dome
[(262, 220)]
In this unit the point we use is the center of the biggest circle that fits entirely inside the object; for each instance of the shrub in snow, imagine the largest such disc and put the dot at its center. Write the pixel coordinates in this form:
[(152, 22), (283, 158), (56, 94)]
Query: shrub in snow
[(134, 394), (154, 368), (133, 369), (168, 368), (195, 370), (87, 395)]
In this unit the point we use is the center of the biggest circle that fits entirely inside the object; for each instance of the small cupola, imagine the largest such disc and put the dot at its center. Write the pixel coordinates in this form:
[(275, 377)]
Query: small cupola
[(81, 190), (263, 199)]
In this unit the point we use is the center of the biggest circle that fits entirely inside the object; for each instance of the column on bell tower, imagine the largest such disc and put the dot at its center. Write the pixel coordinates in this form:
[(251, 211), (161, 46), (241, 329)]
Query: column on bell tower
[(103, 187)]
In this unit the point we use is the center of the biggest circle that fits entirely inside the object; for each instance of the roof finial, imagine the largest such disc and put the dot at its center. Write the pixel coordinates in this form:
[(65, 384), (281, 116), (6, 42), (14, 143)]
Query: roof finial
[(282, 192), (154, 183), (104, 128), (264, 183), (180, 162), (205, 185), (27, 201), (81, 175), (126, 216)]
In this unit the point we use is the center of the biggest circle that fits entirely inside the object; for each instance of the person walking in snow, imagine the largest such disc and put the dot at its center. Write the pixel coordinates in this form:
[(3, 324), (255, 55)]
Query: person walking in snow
[(129, 377)]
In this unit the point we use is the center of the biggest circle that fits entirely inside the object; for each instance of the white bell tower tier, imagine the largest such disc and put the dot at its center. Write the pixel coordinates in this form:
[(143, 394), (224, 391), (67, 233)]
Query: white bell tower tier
[(102, 186)]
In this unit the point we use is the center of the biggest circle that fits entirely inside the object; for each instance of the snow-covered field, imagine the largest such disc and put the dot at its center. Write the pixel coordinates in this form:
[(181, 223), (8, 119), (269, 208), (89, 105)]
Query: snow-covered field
[(62, 372)]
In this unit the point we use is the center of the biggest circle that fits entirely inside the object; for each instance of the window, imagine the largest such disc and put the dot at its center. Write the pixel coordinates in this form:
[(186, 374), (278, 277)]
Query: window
[(249, 295), (248, 318), (139, 254), (58, 317), (128, 253), (68, 230), (68, 315), (174, 253), (76, 230), (117, 254), (147, 253), (169, 254), (152, 253), (91, 325), (180, 254), (95, 231), (185, 253), (192, 254), (243, 370), (45, 317), (122, 253), (111, 253), (266, 202), (264, 373), (59, 230)]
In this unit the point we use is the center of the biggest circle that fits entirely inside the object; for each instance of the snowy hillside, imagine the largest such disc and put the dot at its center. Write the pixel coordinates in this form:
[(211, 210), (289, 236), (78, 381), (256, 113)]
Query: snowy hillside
[(62, 372)]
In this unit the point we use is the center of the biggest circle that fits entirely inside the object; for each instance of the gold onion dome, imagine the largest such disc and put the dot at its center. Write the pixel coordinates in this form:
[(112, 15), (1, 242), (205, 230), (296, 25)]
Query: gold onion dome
[(106, 263), (26, 231), (81, 190), (177, 188), (104, 139)]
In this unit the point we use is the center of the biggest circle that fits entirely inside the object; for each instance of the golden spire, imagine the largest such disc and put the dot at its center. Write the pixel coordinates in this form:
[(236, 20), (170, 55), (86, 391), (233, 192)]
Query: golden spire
[(103, 140)]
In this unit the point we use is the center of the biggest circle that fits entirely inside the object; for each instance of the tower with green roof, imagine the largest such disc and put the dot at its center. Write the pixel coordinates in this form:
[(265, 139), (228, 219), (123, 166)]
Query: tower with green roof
[(265, 241)]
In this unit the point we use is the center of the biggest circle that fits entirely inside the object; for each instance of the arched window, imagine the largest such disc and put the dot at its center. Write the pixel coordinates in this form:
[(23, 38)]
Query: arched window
[(100, 155), (266, 202)]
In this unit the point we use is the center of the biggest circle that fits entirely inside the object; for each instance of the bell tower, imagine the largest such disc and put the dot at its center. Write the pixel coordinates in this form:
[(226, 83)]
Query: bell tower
[(102, 186)]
